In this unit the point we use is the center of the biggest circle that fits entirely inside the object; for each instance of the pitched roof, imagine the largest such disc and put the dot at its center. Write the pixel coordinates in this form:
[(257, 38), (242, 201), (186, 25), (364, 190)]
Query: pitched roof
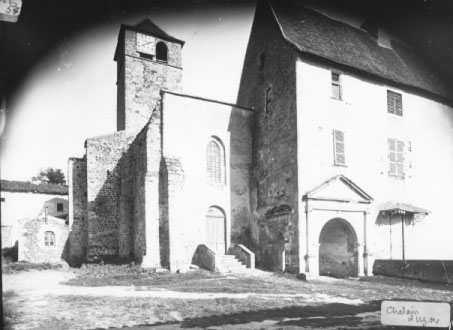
[(359, 192), (42, 188), (316, 34), (148, 27)]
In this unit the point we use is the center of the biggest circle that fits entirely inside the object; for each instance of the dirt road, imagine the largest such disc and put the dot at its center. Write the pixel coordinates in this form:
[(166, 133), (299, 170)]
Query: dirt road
[(38, 300)]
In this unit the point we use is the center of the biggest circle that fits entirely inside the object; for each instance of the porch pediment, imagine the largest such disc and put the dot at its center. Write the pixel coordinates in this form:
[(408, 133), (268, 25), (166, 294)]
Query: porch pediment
[(340, 189)]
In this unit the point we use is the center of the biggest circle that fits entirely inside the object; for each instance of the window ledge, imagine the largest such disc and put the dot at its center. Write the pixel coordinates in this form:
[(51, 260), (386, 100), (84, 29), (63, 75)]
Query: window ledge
[(216, 185), (393, 115), (397, 177)]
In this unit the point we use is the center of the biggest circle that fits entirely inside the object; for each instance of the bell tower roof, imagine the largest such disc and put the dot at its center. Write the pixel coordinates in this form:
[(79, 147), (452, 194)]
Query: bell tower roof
[(147, 27)]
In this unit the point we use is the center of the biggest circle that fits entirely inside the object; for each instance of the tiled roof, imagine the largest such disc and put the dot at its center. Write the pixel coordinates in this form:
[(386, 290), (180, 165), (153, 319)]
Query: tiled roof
[(20, 186), (316, 34)]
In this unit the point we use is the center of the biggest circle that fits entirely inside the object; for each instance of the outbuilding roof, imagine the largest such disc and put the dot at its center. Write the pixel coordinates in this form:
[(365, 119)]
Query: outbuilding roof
[(21, 186), (316, 34)]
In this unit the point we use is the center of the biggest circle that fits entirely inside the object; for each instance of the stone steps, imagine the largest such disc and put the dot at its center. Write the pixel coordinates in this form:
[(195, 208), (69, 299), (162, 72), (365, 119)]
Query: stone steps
[(230, 264)]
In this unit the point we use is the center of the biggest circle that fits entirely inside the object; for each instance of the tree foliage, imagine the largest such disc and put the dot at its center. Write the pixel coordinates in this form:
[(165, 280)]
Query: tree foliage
[(50, 175)]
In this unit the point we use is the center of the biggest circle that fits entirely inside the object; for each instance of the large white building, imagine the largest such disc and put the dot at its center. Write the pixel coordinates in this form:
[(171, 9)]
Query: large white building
[(352, 131)]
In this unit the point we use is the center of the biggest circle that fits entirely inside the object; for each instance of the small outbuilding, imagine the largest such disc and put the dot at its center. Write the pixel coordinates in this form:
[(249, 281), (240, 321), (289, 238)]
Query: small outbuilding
[(43, 239)]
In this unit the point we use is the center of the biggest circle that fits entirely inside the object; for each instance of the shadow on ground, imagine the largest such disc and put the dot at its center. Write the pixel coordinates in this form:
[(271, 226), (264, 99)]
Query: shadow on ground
[(320, 316), (395, 281), (334, 315)]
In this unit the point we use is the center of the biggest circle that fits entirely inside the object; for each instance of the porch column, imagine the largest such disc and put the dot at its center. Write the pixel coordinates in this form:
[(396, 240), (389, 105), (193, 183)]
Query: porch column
[(311, 256), (360, 263), (367, 254)]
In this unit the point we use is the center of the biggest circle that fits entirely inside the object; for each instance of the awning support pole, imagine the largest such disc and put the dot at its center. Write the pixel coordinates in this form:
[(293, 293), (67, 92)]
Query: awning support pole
[(402, 233)]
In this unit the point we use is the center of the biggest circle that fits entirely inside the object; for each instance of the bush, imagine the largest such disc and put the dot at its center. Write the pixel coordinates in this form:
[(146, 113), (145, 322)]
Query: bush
[(11, 253)]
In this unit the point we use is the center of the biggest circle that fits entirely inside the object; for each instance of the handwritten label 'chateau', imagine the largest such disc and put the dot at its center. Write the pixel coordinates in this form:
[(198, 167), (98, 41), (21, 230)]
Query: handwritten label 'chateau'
[(416, 314)]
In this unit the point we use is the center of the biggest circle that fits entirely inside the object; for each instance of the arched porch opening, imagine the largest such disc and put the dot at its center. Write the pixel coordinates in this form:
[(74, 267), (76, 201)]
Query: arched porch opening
[(338, 255)]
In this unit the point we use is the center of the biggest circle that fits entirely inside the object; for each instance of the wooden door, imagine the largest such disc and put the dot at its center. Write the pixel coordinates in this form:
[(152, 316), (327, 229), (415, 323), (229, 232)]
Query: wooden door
[(215, 230)]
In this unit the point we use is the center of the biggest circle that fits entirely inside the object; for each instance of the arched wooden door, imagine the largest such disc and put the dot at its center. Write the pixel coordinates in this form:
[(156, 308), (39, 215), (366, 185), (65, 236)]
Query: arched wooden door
[(215, 230)]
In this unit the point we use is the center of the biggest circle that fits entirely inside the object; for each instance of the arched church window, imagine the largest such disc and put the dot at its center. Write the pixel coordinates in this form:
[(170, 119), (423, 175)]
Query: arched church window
[(161, 51), (49, 238), (215, 162)]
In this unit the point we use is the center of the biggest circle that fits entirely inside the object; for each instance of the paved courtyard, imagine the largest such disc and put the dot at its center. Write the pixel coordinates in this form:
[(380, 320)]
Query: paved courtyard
[(51, 299)]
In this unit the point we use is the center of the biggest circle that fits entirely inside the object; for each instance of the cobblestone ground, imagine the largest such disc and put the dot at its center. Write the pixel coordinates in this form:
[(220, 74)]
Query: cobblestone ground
[(37, 300)]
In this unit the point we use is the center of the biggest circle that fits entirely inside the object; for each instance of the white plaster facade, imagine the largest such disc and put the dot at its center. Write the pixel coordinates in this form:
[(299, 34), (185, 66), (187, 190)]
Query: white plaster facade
[(426, 127)]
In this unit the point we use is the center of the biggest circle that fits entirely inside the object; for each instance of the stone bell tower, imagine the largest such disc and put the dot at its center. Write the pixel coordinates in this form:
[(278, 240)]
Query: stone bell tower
[(148, 60)]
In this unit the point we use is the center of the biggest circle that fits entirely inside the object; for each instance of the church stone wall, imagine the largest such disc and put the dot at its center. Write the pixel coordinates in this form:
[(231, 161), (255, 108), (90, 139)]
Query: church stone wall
[(134, 174), (104, 191), (78, 218), (188, 126), (268, 85)]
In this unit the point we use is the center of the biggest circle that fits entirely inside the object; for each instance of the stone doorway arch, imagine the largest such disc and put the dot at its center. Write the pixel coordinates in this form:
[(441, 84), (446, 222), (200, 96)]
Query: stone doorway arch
[(338, 249)]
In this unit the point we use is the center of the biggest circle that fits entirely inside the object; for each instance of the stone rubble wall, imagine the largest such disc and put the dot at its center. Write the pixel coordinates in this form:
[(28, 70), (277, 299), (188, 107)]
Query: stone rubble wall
[(437, 271), (78, 216), (32, 246), (104, 156), (269, 65)]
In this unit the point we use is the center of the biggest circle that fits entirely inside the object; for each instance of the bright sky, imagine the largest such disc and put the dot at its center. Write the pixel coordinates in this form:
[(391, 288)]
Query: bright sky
[(71, 95)]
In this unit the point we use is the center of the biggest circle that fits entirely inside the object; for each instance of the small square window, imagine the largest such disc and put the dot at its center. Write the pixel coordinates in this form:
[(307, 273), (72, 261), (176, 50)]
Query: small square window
[(336, 85), (59, 207)]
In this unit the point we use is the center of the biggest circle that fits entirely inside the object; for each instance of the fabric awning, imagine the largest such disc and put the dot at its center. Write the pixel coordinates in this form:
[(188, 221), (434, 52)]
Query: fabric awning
[(402, 208)]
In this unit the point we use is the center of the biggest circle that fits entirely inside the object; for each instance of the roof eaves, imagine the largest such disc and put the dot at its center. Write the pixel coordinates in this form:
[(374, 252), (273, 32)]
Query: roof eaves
[(441, 98)]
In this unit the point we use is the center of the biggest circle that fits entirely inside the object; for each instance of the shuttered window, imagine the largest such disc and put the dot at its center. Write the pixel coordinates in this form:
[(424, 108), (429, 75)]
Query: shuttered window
[(396, 158), (336, 86), (339, 148), (394, 103)]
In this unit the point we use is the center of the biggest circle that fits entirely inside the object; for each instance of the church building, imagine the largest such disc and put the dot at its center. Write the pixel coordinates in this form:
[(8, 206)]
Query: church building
[(337, 152)]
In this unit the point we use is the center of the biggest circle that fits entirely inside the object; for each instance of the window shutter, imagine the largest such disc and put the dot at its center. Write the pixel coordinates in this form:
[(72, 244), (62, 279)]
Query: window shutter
[(400, 158), (398, 104), (394, 103), (408, 159), (396, 153), (392, 156), (339, 148), (390, 103)]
